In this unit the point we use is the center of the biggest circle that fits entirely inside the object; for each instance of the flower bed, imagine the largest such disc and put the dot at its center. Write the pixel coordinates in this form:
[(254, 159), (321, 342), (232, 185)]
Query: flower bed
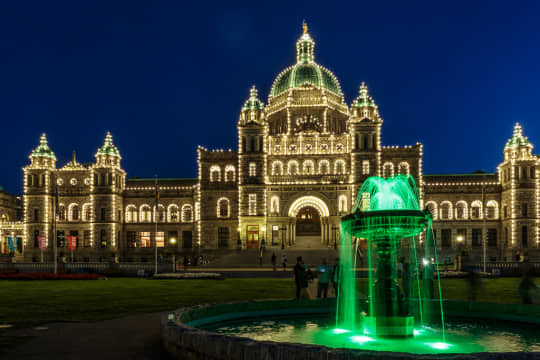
[(188, 276), (49, 276)]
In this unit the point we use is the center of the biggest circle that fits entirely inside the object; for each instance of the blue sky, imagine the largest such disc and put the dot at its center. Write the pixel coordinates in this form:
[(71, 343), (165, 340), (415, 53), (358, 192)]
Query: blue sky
[(164, 77)]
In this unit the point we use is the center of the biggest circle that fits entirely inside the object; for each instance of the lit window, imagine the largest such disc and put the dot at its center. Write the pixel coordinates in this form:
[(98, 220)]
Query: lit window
[(308, 167), (277, 168), (403, 168), (292, 167), (476, 210), (215, 173), (342, 203), (274, 204), (252, 204), (461, 210), (187, 213), (446, 210), (365, 167), (131, 214), (324, 167), (144, 237), (252, 169), (223, 208), (388, 170), (173, 213), (229, 173), (339, 167), (145, 214), (160, 239)]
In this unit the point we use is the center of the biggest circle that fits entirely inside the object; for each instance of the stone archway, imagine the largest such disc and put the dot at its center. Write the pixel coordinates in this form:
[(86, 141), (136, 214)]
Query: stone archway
[(309, 218)]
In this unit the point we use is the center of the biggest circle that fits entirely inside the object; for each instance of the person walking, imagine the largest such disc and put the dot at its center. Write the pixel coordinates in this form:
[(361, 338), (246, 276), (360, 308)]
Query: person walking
[(284, 262), (323, 274), (300, 277), (274, 261), (335, 277)]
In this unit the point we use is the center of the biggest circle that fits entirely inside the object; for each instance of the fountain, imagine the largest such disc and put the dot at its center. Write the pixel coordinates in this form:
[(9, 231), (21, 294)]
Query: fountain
[(396, 313)]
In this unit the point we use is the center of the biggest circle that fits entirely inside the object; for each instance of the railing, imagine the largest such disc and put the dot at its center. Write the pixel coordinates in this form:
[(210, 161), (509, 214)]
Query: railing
[(332, 179)]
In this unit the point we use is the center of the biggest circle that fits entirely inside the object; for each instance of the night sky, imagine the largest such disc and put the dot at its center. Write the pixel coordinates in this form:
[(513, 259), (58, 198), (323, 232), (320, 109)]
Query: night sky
[(164, 77)]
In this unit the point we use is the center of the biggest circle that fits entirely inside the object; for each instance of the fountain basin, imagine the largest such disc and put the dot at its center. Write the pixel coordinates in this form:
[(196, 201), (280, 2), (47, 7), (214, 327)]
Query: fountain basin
[(186, 335)]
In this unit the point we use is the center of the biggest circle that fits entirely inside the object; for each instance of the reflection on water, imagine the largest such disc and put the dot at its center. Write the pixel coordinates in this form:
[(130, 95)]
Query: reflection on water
[(462, 336)]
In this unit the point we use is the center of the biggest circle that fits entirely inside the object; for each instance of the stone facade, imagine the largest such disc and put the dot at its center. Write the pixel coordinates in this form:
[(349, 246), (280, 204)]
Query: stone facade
[(300, 161), (10, 220)]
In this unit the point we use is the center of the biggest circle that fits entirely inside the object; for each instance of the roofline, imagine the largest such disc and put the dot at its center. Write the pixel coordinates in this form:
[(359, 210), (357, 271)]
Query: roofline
[(160, 179), (478, 174)]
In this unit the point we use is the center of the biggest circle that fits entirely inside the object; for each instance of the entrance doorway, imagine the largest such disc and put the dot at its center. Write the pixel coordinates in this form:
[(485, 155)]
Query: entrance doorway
[(252, 236), (308, 222)]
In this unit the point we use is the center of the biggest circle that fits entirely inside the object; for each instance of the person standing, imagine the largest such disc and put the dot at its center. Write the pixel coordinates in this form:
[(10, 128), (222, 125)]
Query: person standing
[(284, 262), (274, 261), (300, 276), (323, 274)]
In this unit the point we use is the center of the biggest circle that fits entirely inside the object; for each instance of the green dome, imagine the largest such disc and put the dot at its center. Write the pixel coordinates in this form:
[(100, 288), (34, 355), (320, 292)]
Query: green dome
[(43, 149), (306, 71), (517, 138), (108, 147)]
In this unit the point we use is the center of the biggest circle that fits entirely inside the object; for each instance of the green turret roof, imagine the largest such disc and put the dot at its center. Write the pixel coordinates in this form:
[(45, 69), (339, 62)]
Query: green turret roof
[(364, 99), (108, 147), (306, 71), (253, 102), (517, 138), (43, 149)]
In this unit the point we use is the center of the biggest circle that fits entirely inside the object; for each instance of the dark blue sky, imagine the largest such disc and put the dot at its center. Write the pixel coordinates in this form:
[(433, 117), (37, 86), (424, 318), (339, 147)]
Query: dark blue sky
[(164, 77)]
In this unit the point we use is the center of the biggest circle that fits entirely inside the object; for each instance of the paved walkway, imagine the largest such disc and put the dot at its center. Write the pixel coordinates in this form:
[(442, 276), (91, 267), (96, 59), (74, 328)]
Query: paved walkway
[(133, 337)]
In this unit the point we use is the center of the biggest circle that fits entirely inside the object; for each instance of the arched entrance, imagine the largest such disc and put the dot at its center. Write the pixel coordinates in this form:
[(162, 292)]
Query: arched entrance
[(309, 219)]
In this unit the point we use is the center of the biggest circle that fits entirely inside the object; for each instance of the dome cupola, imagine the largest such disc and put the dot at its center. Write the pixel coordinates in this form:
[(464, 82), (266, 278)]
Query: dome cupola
[(253, 109), (108, 154), (518, 147), (42, 156), (363, 108)]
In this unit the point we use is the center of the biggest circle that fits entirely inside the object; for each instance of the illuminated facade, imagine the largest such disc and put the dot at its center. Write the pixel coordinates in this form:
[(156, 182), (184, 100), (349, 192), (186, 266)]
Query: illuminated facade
[(301, 158)]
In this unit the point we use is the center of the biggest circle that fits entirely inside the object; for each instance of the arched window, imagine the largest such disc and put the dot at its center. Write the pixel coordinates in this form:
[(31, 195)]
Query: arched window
[(274, 205), (432, 207), (73, 212), (339, 167), (172, 211), (145, 213), (308, 168), (461, 210), (388, 170), (492, 210), (61, 212), (292, 167), (87, 212), (229, 173), (403, 168), (277, 168), (131, 214), (161, 216), (223, 208), (342, 203), (215, 173), (187, 213), (476, 210), (324, 167), (446, 210)]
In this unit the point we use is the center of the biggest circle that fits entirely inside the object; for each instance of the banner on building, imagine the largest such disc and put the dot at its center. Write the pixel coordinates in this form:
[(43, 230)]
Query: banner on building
[(42, 242), (72, 242), (12, 243)]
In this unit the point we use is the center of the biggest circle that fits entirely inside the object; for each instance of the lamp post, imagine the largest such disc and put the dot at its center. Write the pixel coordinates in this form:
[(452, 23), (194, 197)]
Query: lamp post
[(283, 237), (172, 241), (459, 240)]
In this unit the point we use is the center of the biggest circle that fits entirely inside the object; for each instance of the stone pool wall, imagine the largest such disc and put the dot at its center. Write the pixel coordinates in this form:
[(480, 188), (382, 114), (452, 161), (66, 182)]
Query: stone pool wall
[(184, 341)]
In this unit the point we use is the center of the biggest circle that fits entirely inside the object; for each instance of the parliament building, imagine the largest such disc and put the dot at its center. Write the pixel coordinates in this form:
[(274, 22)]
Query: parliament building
[(301, 158)]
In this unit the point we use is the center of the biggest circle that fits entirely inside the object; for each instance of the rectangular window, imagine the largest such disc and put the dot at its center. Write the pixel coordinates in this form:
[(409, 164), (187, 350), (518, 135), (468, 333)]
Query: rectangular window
[(160, 239), (505, 211), (187, 239), (172, 238), (36, 215), (524, 210), (252, 204), (36, 239), (144, 237), (131, 239), (524, 237), (87, 238), (476, 237), (446, 237), (492, 237), (365, 167), (223, 237), (60, 238), (532, 174), (76, 234), (103, 214), (103, 239), (516, 172), (252, 169)]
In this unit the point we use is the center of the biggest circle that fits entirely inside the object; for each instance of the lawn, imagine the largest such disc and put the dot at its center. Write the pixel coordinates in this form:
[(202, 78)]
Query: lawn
[(26, 303)]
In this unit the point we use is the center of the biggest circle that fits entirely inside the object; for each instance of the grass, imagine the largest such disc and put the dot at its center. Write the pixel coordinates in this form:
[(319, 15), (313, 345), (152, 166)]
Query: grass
[(27, 303)]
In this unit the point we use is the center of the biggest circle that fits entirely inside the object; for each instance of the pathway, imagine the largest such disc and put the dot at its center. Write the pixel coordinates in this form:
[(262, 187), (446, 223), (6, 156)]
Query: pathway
[(133, 337)]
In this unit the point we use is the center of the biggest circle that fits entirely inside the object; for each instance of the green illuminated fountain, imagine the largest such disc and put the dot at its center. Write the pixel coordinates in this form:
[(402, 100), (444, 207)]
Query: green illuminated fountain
[(386, 215)]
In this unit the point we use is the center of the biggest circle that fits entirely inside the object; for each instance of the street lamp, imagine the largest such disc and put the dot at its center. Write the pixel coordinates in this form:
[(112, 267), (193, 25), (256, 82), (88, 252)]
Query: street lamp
[(172, 241), (459, 240)]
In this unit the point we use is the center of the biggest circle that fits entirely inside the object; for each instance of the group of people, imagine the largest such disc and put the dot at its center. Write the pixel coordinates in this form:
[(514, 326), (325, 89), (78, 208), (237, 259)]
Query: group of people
[(324, 273)]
